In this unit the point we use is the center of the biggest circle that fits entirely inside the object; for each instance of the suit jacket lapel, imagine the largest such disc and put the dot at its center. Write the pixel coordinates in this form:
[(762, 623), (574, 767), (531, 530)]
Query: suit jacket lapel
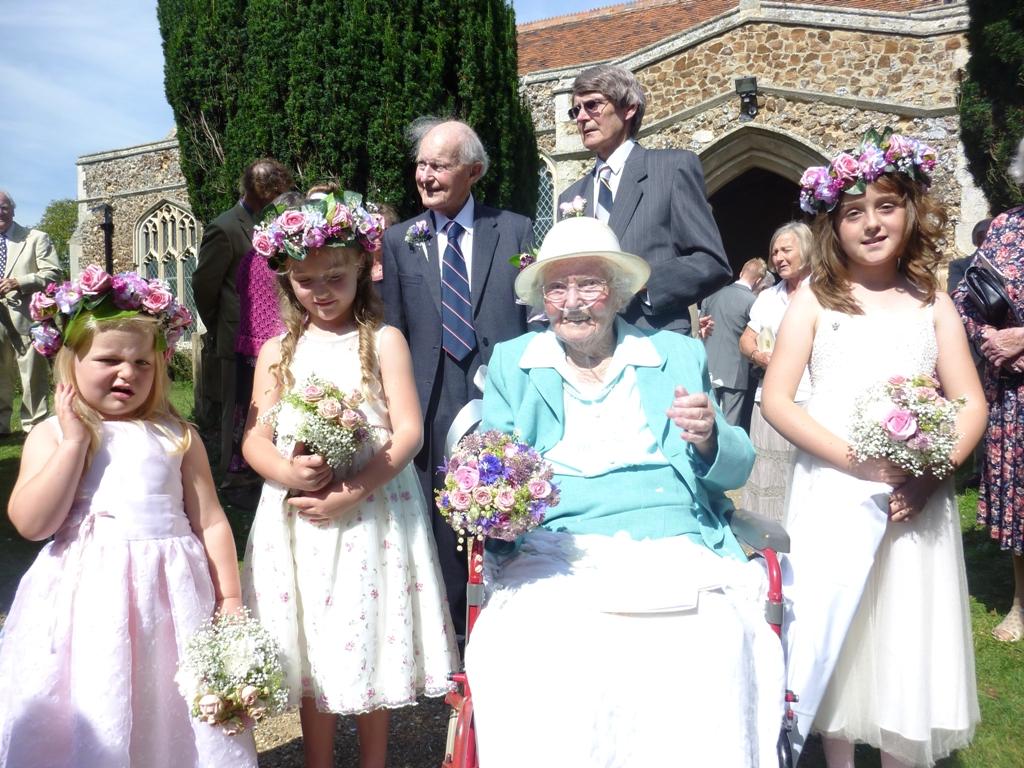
[(627, 198), (431, 264), (548, 384), (485, 243), (16, 236), (656, 400)]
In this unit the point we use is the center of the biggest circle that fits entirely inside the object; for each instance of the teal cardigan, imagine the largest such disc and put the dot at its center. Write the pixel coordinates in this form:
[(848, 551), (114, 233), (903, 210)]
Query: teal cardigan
[(529, 401)]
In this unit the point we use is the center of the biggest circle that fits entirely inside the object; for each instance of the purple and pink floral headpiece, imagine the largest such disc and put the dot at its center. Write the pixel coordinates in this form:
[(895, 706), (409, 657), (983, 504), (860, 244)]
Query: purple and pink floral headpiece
[(287, 232), (60, 309), (851, 171)]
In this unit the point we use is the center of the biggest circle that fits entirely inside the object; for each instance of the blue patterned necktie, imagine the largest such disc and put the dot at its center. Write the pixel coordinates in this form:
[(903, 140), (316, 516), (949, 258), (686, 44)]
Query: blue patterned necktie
[(603, 209), (3, 254), (457, 334)]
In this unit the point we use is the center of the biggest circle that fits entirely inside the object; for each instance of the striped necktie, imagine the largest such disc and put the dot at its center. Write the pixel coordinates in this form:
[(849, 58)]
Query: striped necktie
[(457, 334), (603, 209)]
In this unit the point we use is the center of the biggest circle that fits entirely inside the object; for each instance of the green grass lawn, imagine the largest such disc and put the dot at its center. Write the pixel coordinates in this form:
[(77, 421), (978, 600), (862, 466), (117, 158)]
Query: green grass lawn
[(1000, 666)]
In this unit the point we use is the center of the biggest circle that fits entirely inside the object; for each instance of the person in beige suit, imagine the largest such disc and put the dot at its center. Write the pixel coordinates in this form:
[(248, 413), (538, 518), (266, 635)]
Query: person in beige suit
[(225, 241), (27, 263)]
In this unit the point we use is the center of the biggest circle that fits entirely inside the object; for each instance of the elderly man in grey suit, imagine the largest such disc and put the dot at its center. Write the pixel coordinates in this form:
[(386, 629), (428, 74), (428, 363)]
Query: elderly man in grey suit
[(225, 241), (654, 200), (27, 263), (448, 287), (730, 370)]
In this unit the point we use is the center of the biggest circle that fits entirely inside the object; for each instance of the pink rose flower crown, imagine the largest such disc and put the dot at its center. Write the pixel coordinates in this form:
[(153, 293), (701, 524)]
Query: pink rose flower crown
[(851, 171), (287, 232), (59, 309)]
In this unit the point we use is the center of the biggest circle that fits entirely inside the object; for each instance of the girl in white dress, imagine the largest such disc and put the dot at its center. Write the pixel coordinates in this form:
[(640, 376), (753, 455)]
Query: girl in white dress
[(141, 553), (879, 633), (342, 569)]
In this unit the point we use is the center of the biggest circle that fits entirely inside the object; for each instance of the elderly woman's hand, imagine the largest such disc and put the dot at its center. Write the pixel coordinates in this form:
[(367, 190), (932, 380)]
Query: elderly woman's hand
[(695, 415), (1002, 346)]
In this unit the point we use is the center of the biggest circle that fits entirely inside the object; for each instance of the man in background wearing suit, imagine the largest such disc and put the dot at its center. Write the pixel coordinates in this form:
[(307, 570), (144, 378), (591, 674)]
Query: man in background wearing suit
[(730, 371), (225, 241), (27, 263), (448, 287), (654, 200)]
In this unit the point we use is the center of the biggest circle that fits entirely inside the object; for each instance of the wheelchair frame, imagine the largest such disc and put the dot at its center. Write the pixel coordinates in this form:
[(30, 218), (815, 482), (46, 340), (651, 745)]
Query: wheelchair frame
[(766, 538)]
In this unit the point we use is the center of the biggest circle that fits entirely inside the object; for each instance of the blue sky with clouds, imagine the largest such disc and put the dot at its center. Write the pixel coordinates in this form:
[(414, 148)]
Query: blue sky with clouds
[(82, 77)]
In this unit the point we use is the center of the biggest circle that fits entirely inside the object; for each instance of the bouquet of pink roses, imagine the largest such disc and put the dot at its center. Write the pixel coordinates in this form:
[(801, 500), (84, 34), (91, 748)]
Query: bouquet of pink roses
[(907, 421), (495, 487), (327, 421)]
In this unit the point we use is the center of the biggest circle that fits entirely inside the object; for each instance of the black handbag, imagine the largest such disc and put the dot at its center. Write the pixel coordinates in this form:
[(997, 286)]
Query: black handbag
[(987, 292)]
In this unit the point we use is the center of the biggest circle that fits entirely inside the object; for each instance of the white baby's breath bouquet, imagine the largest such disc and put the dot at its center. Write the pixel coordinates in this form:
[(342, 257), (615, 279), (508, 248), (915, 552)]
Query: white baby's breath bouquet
[(231, 673), (906, 420), (327, 421)]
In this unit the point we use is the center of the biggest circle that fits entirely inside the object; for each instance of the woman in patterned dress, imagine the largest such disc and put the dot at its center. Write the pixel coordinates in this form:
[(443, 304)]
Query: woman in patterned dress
[(1001, 493)]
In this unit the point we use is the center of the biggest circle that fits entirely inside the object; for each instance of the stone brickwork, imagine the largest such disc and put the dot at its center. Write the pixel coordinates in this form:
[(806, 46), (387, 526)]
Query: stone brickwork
[(133, 181), (868, 66)]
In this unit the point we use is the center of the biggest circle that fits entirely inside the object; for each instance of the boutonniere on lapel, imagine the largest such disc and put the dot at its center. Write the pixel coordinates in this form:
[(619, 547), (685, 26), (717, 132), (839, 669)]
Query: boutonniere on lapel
[(522, 260), (419, 233), (574, 208)]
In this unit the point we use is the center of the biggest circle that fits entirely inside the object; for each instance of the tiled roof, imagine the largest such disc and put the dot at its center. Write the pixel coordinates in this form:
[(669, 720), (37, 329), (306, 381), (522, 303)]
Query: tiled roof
[(618, 30)]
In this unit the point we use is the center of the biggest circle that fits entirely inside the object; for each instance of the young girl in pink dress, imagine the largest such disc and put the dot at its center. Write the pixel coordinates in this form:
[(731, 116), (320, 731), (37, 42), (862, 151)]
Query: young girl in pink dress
[(879, 639), (141, 554), (342, 569)]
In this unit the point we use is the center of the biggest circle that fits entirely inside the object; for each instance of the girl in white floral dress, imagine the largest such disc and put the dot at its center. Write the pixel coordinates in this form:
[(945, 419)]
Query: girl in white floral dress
[(342, 569)]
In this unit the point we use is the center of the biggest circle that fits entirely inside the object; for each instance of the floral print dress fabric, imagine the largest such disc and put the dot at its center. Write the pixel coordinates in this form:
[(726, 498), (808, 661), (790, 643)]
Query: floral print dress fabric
[(1001, 493)]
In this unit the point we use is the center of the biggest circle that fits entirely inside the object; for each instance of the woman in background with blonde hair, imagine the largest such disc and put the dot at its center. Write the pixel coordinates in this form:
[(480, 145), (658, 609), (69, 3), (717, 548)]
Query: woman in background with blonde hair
[(790, 254)]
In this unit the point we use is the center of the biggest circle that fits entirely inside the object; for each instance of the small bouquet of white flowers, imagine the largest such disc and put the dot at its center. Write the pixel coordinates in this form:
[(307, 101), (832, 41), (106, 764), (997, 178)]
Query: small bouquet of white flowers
[(327, 421), (231, 673), (907, 421)]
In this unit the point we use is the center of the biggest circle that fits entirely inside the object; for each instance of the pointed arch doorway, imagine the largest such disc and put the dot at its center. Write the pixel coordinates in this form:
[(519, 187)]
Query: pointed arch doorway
[(752, 176)]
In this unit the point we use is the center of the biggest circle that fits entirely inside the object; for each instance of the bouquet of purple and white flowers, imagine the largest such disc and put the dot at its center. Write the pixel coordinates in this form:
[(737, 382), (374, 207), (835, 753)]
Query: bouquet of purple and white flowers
[(495, 487), (908, 421)]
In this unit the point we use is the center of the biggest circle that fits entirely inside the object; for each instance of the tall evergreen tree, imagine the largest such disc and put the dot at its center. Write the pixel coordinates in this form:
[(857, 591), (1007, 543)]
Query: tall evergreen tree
[(992, 97), (203, 42), (328, 87)]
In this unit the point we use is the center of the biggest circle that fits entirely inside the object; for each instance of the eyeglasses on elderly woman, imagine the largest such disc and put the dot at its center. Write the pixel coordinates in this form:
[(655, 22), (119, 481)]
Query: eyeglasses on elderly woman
[(591, 106), (587, 289)]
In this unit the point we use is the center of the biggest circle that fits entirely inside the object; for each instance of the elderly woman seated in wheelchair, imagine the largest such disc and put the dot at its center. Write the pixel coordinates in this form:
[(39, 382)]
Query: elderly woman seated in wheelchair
[(627, 630)]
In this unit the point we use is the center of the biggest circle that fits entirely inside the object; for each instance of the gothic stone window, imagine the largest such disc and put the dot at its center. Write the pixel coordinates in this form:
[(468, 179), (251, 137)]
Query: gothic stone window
[(166, 246), (545, 217)]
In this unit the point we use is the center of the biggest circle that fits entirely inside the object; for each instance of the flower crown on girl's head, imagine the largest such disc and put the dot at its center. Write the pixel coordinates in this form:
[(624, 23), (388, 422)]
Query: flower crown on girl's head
[(59, 309), (328, 220), (822, 186)]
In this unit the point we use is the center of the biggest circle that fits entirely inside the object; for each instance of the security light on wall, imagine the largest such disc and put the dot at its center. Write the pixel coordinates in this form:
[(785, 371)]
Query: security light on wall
[(746, 88)]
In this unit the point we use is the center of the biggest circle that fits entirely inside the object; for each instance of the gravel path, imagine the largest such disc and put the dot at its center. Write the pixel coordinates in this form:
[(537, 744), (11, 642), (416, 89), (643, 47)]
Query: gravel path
[(416, 741)]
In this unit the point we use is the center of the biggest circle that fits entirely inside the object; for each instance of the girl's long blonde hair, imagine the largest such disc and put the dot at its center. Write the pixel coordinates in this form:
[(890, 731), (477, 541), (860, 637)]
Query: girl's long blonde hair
[(367, 311), (918, 259), (157, 406)]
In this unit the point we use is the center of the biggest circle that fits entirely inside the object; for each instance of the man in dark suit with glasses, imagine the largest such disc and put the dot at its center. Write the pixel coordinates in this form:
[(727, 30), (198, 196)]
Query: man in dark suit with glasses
[(654, 200)]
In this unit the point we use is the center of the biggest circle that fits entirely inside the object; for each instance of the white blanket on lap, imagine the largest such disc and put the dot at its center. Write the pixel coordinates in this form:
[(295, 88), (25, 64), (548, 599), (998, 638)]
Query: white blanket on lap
[(590, 652)]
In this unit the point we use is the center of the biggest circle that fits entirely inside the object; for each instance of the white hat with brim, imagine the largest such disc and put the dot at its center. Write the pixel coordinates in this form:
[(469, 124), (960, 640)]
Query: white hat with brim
[(581, 237)]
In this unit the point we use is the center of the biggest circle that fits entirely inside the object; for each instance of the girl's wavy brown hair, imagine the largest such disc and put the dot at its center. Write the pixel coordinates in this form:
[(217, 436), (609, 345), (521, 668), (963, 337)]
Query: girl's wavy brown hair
[(918, 258), (367, 311), (156, 408)]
